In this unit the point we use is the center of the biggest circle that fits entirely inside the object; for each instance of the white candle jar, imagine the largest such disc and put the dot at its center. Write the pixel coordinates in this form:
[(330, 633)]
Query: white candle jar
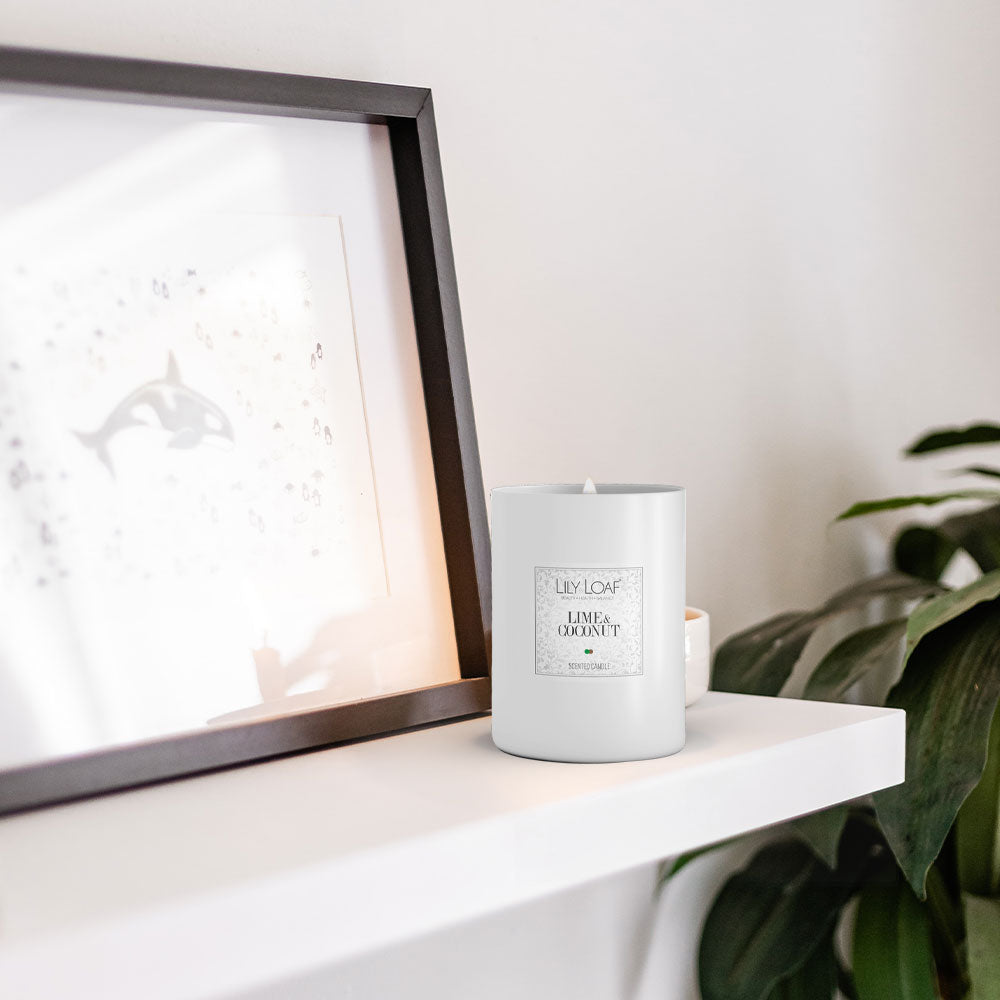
[(588, 621)]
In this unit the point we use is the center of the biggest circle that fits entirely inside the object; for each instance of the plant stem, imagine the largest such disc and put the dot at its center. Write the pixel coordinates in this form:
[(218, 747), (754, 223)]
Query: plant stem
[(948, 934)]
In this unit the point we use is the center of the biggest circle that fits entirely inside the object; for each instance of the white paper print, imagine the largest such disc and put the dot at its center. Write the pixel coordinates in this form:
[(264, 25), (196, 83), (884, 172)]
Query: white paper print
[(186, 468), (588, 622)]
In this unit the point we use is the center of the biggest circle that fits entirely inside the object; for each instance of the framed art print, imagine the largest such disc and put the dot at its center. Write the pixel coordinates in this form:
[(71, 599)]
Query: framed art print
[(241, 510)]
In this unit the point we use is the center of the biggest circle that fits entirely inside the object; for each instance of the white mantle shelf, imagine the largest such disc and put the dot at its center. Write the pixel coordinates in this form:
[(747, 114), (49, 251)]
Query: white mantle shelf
[(212, 885)]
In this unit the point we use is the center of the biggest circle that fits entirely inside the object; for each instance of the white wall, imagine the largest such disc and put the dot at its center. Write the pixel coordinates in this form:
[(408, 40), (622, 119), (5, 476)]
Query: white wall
[(750, 248)]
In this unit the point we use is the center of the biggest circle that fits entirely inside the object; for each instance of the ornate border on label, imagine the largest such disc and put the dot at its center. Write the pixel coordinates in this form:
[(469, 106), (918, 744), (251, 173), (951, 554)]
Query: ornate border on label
[(585, 569)]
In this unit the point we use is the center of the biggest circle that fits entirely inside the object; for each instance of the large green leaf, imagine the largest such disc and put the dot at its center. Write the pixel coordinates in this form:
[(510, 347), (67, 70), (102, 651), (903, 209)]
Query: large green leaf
[(978, 826), (979, 470), (978, 532), (892, 955), (847, 662), (944, 608), (899, 586), (922, 551), (955, 437), (765, 922), (982, 925), (822, 830), (949, 690), (768, 918), (815, 980), (760, 659), (925, 550), (866, 507)]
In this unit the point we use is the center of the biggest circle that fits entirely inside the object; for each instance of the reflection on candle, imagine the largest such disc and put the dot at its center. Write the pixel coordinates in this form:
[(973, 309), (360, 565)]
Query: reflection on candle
[(588, 486)]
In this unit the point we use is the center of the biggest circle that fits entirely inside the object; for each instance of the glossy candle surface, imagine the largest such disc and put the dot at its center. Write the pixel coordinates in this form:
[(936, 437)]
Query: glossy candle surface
[(588, 621)]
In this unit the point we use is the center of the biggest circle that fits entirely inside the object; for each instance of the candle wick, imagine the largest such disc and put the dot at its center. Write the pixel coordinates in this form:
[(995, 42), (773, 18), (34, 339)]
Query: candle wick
[(589, 487)]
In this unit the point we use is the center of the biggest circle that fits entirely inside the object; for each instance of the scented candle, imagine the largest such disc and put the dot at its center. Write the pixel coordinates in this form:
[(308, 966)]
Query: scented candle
[(588, 621)]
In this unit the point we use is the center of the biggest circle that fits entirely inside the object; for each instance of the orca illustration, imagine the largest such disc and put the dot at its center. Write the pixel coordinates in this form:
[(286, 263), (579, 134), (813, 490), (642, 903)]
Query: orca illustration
[(189, 415)]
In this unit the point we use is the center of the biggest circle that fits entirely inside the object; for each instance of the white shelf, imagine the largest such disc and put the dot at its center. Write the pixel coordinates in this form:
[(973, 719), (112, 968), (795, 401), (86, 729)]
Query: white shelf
[(215, 884)]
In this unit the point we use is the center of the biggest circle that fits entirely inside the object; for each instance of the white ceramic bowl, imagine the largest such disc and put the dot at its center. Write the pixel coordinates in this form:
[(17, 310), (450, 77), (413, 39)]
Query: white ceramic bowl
[(697, 654)]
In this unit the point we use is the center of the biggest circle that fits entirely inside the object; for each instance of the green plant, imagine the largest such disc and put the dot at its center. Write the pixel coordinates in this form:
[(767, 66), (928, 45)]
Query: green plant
[(921, 860)]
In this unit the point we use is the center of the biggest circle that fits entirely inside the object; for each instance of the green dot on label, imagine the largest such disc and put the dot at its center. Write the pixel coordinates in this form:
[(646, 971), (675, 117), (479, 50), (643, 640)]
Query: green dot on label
[(588, 651)]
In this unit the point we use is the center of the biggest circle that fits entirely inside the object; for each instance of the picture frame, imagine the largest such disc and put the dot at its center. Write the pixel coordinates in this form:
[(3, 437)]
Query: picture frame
[(408, 115)]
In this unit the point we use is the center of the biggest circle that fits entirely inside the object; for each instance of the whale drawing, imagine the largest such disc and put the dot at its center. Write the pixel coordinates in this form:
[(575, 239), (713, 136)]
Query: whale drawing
[(188, 415)]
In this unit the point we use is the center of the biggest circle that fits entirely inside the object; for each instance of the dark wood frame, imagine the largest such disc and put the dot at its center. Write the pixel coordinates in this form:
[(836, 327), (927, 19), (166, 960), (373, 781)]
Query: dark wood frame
[(409, 114)]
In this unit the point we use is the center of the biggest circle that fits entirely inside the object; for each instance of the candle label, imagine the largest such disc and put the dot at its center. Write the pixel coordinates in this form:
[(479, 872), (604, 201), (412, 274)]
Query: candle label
[(588, 622)]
